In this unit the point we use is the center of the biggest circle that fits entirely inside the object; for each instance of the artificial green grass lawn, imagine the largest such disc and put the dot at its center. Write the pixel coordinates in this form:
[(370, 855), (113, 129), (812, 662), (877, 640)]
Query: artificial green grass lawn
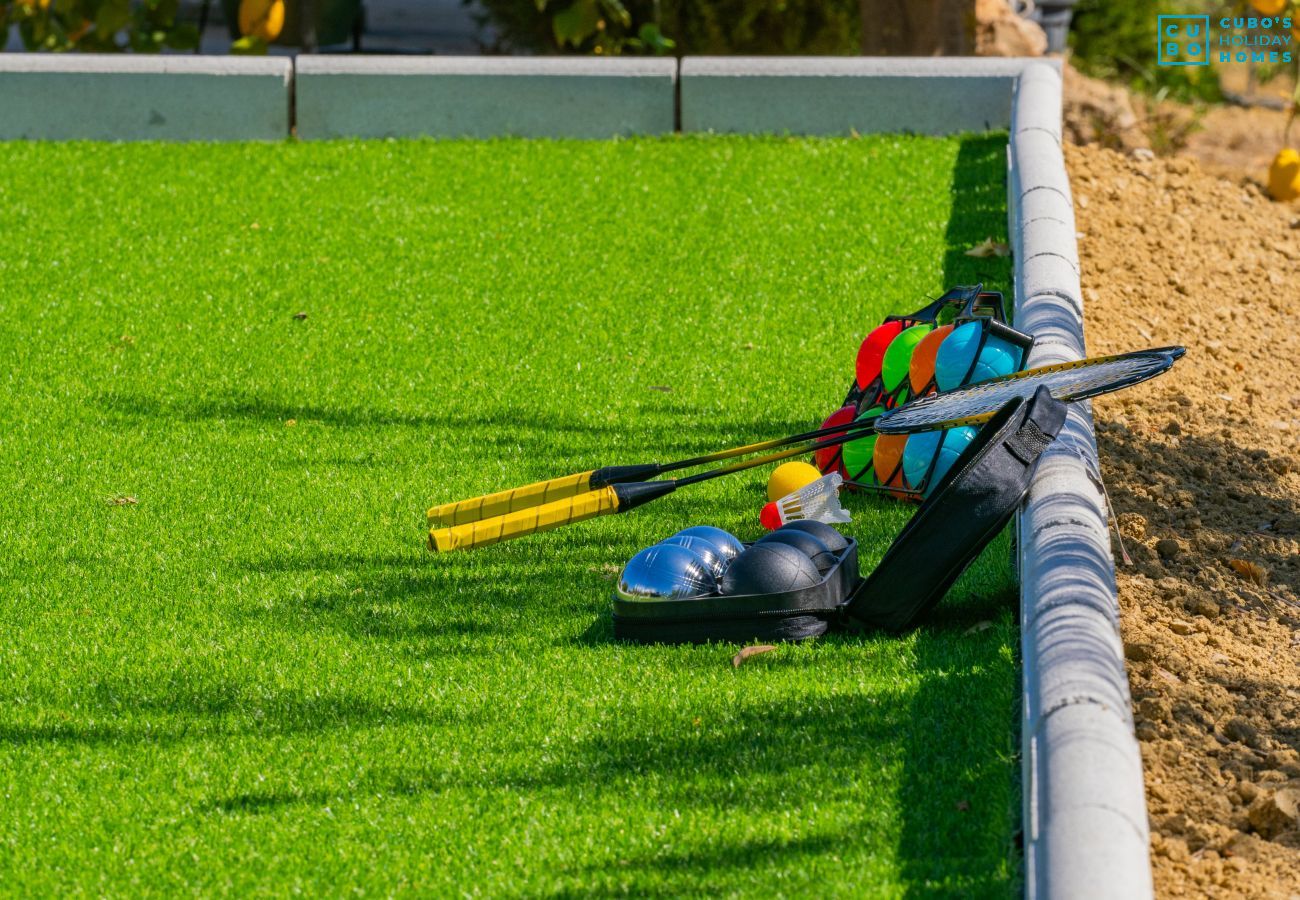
[(248, 674)]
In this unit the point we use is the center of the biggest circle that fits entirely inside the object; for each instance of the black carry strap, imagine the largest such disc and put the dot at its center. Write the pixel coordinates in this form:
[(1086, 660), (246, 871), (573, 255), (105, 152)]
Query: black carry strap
[(968, 508)]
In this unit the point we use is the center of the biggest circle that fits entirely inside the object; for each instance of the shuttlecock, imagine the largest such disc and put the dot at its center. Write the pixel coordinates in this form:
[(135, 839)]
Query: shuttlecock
[(819, 501)]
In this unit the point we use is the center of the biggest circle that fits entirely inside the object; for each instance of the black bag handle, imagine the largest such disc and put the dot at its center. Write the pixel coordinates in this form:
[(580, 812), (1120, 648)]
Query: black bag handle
[(968, 508)]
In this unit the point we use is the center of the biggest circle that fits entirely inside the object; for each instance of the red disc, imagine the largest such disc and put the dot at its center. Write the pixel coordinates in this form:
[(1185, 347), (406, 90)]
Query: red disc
[(830, 459), (871, 355), (770, 517)]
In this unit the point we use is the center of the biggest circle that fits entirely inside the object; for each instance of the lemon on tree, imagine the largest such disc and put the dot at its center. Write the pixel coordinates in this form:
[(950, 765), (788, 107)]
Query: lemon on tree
[(261, 18), (1284, 175), (1269, 7)]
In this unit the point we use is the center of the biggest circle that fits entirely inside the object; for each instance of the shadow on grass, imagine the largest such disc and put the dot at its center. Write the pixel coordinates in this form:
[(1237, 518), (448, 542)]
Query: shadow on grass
[(979, 211), (499, 424), (183, 706), (953, 841)]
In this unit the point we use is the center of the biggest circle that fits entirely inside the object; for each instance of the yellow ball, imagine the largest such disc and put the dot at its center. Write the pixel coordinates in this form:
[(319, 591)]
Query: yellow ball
[(261, 18), (1269, 7), (789, 477), (1284, 175)]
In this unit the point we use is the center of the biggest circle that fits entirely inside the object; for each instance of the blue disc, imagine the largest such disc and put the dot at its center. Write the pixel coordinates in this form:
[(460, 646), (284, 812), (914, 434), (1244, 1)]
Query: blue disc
[(957, 354), (923, 447)]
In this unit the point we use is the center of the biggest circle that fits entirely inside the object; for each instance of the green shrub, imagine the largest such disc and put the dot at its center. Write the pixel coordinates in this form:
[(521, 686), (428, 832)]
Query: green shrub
[(98, 26), (683, 26), (1116, 39)]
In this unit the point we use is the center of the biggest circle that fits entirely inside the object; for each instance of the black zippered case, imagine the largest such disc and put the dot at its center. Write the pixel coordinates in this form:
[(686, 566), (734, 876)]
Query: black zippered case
[(972, 504)]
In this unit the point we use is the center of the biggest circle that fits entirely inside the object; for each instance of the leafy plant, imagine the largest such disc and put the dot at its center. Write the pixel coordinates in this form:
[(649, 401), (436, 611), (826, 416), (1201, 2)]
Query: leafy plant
[(99, 26), (683, 26), (1116, 39)]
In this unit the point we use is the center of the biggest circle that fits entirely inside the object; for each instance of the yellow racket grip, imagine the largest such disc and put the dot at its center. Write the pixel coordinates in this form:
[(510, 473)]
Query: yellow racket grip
[(491, 505), (524, 521)]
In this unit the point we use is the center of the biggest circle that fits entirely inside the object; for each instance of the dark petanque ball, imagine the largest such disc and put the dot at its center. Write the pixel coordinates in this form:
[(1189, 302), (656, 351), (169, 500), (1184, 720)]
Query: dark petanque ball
[(834, 541), (805, 543), (769, 569)]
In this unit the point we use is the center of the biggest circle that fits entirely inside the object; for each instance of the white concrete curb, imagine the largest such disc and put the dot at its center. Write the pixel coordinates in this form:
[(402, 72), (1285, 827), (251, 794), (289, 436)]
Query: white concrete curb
[(1085, 821), (837, 95), (487, 96), (66, 96)]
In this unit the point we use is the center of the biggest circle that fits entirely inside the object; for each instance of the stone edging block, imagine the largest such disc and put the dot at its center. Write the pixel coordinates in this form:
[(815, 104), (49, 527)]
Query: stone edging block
[(109, 97), (1085, 808), (574, 97), (840, 95)]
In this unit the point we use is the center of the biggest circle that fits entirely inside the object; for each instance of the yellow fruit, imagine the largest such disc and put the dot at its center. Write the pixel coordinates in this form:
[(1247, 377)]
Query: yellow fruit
[(1284, 175), (1269, 7), (789, 477), (261, 18)]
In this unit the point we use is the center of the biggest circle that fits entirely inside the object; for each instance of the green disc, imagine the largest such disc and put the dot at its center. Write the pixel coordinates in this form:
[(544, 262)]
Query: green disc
[(898, 356), (857, 454)]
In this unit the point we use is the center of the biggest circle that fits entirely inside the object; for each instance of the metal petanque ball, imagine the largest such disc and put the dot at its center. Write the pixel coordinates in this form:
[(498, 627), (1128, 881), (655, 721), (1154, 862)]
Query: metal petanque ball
[(704, 549), (726, 543), (665, 572)]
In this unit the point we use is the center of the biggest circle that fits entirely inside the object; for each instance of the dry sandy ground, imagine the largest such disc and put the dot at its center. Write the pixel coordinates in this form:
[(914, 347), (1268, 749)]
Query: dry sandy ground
[(1203, 468)]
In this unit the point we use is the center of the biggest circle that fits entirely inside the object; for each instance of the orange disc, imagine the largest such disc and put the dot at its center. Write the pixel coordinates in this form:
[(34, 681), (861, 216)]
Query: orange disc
[(921, 372), (887, 461)]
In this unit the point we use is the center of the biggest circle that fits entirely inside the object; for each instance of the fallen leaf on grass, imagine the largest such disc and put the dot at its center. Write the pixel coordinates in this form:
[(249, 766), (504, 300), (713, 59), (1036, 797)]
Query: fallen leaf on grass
[(978, 627), (746, 652), (660, 387), (1250, 571), (608, 571), (963, 805), (989, 247), (289, 423), (122, 501), (300, 316)]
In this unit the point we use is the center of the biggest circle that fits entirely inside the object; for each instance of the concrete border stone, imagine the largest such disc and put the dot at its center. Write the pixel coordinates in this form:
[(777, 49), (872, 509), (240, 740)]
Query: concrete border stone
[(110, 97), (838, 95), (1086, 832), (488, 96)]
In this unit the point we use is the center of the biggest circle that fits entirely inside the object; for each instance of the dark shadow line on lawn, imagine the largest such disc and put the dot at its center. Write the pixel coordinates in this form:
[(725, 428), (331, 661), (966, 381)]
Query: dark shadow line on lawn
[(510, 420), (683, 869), (180, 707), (240, 406), (979, 211), (947, 840)]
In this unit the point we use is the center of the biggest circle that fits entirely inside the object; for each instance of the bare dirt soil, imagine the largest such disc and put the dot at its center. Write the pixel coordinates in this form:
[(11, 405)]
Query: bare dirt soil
[(1203, 468), (1235, 142)]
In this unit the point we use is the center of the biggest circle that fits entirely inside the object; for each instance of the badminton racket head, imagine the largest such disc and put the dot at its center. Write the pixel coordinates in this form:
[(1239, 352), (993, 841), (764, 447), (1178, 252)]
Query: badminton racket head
[(973, 404)]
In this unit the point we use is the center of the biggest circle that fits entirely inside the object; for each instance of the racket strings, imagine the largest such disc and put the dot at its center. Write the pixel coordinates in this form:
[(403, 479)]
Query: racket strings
[(1068, 382)]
